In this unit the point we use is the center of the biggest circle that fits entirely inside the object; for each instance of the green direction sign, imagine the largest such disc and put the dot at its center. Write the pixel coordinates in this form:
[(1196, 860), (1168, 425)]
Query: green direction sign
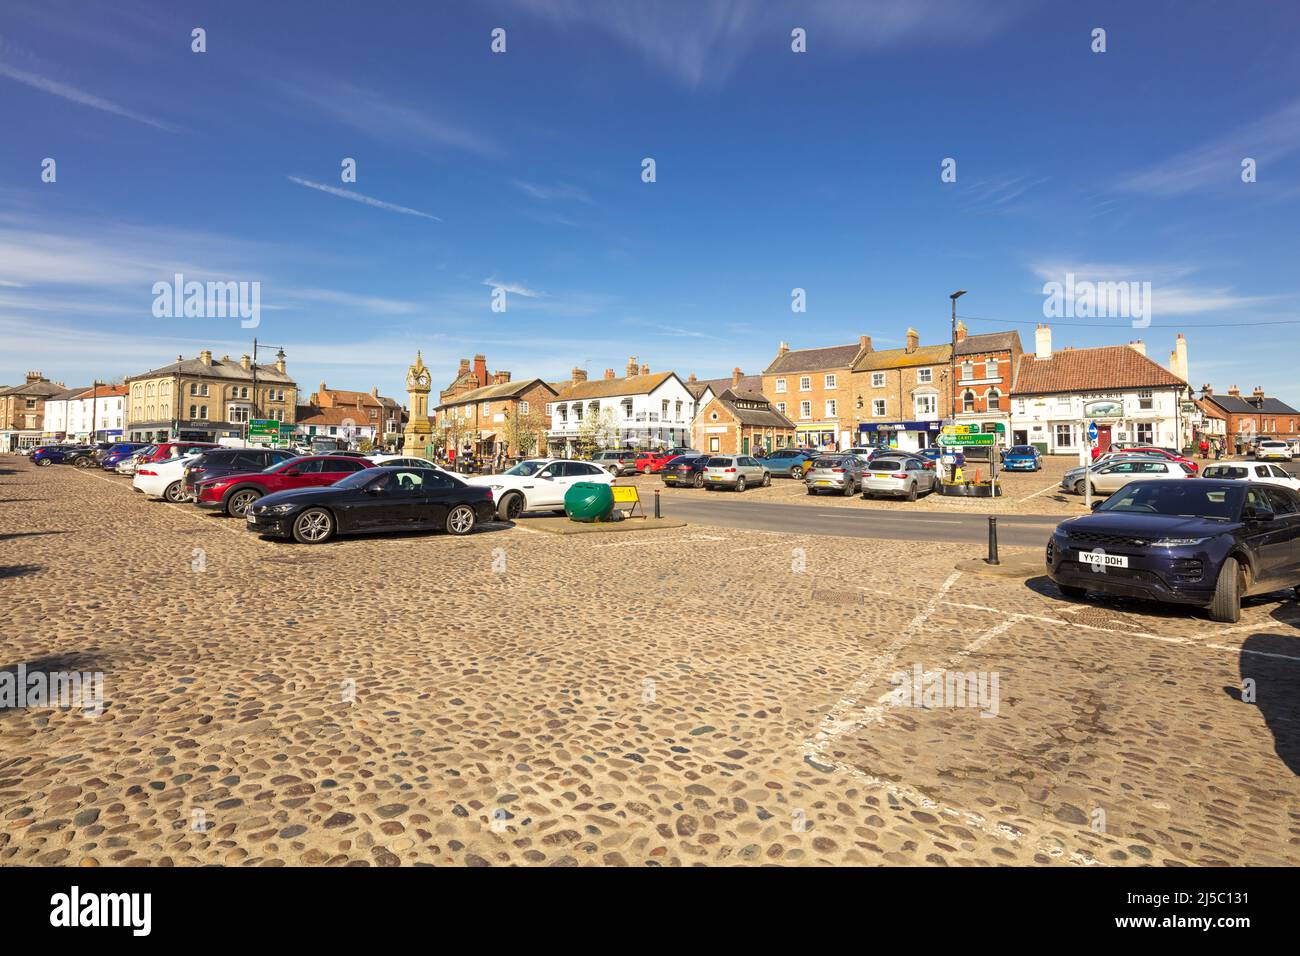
[(982, 438), (265, 427)]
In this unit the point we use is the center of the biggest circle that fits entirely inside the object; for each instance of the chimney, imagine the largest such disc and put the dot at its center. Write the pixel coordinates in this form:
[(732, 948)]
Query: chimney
[(1259, 391), (464, 367), (631, 367), (226, 357), (579, 375), (864, 343), (1178, 357), (961, 331), (691, 379), (913, 340), (1138, 346), (645, 369), (1234, 391), (374, 390), (1043, 341), (500, 378), (1206, 391), (279, 362), (480, 370), (735, 377), (206, 356), (782, 349), (609, 373), (35, 377)]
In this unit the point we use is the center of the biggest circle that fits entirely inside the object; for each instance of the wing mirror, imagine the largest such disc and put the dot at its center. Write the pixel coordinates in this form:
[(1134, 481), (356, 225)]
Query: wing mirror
[(1254, 514), (292, 473), (373, 488), (1096, 504)]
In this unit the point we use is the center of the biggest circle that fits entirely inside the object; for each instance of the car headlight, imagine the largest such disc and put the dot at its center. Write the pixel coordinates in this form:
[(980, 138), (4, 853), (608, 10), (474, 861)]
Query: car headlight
[(277, 509), (496, 487), (1177, 542)]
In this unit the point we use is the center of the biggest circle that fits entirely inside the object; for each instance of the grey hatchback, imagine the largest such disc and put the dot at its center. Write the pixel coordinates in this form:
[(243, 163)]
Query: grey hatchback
[(735, 471), (835, 473), (897, 476)]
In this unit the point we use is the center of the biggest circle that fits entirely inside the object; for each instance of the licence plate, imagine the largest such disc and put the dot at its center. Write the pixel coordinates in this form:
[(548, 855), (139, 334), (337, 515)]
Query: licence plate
[(250, 519), (715, 477), (821, 481), (1103, 560)]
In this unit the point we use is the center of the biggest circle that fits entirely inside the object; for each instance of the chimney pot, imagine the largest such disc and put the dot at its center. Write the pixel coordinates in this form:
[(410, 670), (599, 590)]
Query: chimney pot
[(783, 348), (645, 369), (609, 373), (735, 376), (631, 366), (864, 343), (913, 340), (1043, 341)]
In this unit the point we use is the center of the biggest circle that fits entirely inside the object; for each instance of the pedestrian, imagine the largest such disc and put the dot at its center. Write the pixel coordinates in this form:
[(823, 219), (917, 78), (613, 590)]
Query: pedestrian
[(1218, 449), (1205, 449)]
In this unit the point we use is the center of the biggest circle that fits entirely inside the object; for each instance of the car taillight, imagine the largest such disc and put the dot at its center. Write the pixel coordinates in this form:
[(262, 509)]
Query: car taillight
[(837, 471), (146, 471), (730, 471)]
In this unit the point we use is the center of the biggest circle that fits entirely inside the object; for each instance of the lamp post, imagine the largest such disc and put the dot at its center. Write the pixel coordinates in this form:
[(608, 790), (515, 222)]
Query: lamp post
[(253, 413), (94, 394), (952, 367)]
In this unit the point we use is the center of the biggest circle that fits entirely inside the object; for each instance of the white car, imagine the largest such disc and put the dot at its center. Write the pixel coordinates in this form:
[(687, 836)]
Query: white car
[(403, 461), (1273, 450), (1251, 471), (164, 479), (538, 484)]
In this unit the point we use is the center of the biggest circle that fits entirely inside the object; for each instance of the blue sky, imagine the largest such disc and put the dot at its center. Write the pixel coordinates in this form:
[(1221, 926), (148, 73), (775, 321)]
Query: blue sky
[(775, 170)]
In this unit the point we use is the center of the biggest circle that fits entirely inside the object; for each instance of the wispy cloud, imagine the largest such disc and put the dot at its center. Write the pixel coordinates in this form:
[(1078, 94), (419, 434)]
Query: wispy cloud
[(361, 198), (560, 192), (75, 95), (1217, 163), (514, 288), (700, 42)]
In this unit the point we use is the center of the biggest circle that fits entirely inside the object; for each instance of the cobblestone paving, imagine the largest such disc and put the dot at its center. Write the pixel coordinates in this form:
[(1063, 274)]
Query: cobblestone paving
[(680, 697)]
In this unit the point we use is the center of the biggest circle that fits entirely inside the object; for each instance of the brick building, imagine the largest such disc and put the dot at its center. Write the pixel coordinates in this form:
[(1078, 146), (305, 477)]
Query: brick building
[(901, 396), (500, 414), (379, 414), (811, 388), (740, 421), (22, 411), (986, 366), (1249, 416)]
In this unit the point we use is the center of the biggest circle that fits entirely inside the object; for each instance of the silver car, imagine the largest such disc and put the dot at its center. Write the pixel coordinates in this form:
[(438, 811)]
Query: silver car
[(1072, 480), (1113, 476), (898, 476), (835, 473), (735, 471)]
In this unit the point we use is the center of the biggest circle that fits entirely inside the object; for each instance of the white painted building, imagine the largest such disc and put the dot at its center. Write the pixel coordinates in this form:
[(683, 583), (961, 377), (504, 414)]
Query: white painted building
[(1057, 395), (85, 415), (637, 411)]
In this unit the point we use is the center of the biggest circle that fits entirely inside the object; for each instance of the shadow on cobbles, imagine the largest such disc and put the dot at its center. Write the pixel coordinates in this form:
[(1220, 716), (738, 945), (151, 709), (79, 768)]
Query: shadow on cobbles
[(29, 534), (17, 570), (23, 671), (1272, 662)]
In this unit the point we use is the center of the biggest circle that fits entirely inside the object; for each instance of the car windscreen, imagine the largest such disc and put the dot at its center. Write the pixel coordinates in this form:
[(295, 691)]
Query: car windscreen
[(1192, 499), (720, 462), (886, 464), (526, 468), (358, 479), (1225, 471), (829, 463), (1021, 450)]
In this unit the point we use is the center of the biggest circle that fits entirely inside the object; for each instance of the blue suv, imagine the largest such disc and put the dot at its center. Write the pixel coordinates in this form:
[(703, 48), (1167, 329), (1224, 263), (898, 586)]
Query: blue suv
[(1022, 458)]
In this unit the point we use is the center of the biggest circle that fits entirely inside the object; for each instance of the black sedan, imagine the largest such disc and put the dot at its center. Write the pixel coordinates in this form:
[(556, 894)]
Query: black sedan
[(376, 499), (685, 470), (1202, 542)]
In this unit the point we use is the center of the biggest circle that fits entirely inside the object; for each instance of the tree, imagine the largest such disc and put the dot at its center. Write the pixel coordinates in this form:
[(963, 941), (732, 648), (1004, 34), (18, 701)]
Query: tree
[(597, 431), (521, 432)]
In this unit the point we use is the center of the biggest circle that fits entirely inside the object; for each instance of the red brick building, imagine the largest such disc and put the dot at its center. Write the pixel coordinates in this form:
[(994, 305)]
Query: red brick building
[(1253, 415), (985, 366)]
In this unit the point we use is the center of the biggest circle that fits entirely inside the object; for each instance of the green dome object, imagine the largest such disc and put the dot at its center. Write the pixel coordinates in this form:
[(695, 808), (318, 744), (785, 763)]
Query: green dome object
[(588, 501)]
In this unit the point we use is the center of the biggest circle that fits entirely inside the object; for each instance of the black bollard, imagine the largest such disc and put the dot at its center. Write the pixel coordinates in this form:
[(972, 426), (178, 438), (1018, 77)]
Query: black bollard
[(657, 514), (993, 541)]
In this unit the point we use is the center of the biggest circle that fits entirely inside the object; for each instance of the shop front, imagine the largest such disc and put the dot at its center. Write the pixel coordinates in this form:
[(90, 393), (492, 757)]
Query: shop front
[(904, 436), (817, 435)]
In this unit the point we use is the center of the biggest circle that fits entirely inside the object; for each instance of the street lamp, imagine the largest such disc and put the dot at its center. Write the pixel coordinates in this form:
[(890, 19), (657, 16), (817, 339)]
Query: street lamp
[(952, 368), (279, 354)]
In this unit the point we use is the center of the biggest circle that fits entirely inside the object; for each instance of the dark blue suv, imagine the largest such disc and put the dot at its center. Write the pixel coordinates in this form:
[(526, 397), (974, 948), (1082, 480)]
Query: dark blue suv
[(1202, 542)]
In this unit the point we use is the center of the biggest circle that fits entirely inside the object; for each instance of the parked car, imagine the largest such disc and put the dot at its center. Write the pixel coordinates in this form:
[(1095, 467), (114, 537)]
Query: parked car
[(1273, 450), (128, 463), (1251, 471), (115, 453), (164, 479), (219, 462), (685, 470), (232, 494), (835, 473), (863, 453), (735, 471), (650, 462), (164, 450), (617, 463), (402, 461), (1208, 543), (789, 462), (1114, 475), (58, 454), (383, 498), (1164, 453), (1022, 458), (1073, 476), (538, 484), (898, 476)]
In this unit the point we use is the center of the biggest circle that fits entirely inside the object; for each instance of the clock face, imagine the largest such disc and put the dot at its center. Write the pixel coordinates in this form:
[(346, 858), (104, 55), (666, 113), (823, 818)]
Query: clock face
[(420, 378)]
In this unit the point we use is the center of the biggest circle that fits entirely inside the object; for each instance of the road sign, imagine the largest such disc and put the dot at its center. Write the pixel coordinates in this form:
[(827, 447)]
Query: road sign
[(1092, 431), (960, 430), (968, 440)]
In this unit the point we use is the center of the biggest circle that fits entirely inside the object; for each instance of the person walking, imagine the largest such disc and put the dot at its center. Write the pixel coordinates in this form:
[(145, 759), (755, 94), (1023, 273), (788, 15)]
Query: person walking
[(1205, 448), (1218, 449)]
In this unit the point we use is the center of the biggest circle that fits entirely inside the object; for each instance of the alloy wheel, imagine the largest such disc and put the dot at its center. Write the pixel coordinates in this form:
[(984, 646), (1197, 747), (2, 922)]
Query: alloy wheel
[(313, 526), (240, 501), (460, 520), (174, 493)]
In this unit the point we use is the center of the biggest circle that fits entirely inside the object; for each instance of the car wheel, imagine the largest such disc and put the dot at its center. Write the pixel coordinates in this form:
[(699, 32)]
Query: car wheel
[(767, 479), (740, 483), (42, 462), (511, 507), (699, 480), (848, 489), (313, 526), (175, 493), (911, 491), (460, 520), (645, 469), (796, 472), (1072, 592), (83, 462), (1226, 606), (237, 504), (812, 491), (1078, 487)]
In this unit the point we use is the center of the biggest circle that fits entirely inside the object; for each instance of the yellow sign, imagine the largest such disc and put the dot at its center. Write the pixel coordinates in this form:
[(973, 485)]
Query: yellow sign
[(625, 494), (960, 430)]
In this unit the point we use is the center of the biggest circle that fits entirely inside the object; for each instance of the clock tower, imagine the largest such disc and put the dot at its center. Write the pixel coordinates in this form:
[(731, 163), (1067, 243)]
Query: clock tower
[(418, 438)]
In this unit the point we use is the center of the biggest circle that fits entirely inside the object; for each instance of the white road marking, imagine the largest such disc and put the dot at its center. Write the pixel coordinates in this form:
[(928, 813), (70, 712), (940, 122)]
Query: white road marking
[(1055, 484)]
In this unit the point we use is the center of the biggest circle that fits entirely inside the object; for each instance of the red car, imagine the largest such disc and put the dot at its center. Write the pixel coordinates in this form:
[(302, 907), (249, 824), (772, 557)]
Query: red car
[(167, 450), (652, 462), (234, 493), (1151, 450)]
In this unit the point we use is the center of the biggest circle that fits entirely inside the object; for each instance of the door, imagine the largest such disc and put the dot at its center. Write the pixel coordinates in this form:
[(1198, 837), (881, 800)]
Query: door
[(549, 486), (439, 493), (386, 502), (1273, 539), (1284, 536)]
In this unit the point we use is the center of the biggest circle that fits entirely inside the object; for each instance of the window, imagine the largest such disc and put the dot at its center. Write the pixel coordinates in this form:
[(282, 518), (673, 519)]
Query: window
[(991, 368), (203, 412), (925, 375), (877, 379), (194, 412), (780, 385), (627, 408), (713, 444), (1020, 406), (805, 383), (993, 399), (523, 408), (487, 409), (830, 381), (805, 409), (1064, 436), (664, 408), (194, 388), (1145, 400), (1145, 433), (577, 411), (780, 407), (878, 407), (967, 371), (926, 405), (831, 406)]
